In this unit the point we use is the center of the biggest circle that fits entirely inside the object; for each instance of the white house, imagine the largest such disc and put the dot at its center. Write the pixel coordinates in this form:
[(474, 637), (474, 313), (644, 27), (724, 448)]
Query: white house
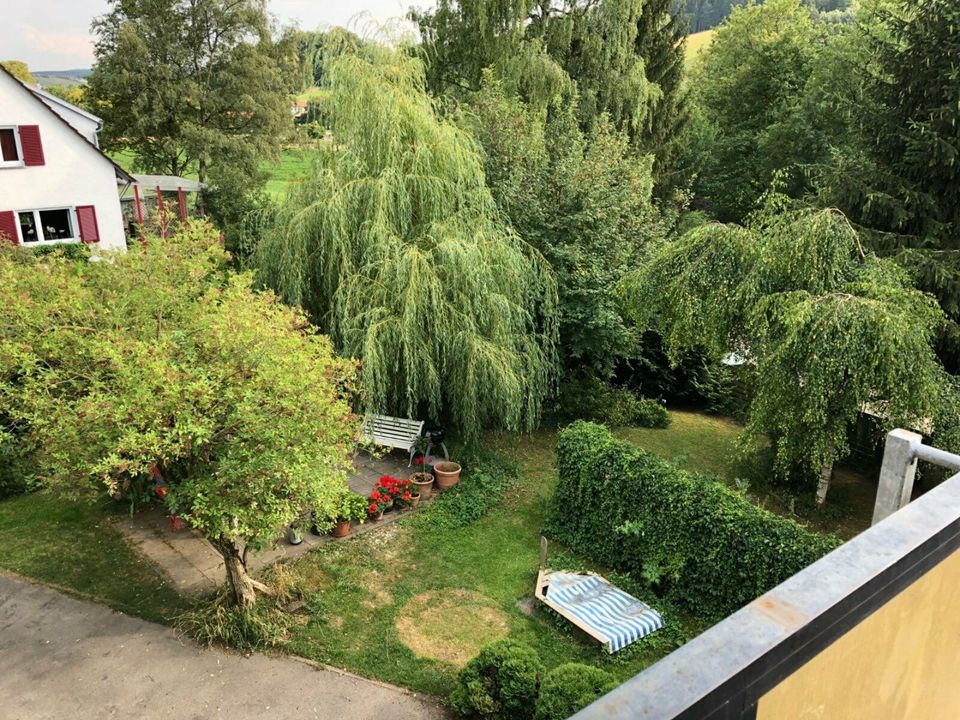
[(56, 186)]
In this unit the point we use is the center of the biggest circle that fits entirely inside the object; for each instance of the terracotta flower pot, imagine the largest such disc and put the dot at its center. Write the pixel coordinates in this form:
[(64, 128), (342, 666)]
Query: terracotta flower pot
[(423, 484), (414, 501), (447, 474), (341, 529)]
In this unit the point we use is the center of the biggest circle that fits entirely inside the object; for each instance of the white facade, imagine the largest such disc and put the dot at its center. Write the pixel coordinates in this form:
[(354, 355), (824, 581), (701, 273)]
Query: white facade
[(44, 194)]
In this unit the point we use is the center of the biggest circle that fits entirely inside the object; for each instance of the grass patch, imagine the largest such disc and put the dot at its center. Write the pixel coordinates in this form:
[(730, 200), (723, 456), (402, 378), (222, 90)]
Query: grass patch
[(708, 443), (76, 548), (705, 443), (697, 43), (451, 625), (295, 164)]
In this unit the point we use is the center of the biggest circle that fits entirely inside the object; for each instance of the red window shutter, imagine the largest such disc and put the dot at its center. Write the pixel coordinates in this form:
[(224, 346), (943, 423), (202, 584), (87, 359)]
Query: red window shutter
[(87, 219), (31, 145), (8, 226)]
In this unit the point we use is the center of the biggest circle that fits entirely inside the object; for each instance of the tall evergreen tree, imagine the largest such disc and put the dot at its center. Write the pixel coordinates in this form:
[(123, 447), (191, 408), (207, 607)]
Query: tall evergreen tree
[(661, 44), (901, 179)]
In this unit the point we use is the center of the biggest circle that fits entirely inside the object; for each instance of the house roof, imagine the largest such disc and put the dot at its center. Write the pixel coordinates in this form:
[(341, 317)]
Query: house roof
[(121, 173), (168, 183), (63, 103)]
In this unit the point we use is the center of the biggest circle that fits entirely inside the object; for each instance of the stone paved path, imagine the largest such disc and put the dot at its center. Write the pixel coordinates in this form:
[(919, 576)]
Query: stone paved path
[(193, 566), (63, 659)]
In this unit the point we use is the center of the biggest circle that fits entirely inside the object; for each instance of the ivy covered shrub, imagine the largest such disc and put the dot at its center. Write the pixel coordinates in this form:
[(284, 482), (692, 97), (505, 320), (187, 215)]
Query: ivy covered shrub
[(691, 538), (569, 688), (501, 683)]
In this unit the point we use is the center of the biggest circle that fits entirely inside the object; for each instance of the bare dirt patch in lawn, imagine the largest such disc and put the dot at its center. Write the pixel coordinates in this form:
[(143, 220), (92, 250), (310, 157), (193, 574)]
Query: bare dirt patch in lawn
[(450, 625)]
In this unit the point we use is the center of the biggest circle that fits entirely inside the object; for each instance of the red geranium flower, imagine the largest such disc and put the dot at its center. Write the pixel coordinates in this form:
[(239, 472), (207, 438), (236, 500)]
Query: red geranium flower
[(372, 509), (418, 461), (161, 491)]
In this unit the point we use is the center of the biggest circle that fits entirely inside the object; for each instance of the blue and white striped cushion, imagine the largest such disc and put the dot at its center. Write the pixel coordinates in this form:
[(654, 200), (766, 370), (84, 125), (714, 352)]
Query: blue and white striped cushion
[(615, 617)]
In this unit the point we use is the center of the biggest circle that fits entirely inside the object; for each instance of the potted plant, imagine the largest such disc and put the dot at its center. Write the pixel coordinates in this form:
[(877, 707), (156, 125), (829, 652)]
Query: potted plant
[(295, 532), (352, 507), (421, 481), (378, 505), (447, 474)]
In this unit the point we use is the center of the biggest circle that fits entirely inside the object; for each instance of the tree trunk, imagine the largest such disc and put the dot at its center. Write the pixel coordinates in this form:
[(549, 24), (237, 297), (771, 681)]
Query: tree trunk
[(242, 585), (826, 475)]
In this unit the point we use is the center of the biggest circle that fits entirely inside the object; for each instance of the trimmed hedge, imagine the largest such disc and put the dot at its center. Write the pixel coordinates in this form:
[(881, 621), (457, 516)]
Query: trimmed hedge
[(693, 539)]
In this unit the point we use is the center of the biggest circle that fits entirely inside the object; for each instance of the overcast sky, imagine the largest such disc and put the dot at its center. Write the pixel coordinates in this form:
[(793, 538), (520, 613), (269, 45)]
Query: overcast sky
[(55, 34)]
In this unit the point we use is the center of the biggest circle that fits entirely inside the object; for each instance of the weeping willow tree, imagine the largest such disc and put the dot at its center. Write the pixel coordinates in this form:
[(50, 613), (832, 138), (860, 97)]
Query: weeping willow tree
[(395, 248), (830, 328)]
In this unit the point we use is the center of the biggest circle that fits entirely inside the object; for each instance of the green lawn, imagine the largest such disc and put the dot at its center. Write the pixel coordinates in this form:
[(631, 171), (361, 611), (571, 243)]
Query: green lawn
[(76, 548), (294, 164), (411, 603)]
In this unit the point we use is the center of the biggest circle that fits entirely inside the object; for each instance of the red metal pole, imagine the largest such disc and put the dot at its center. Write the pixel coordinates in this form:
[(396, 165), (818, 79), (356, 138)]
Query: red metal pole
[(163, 228), (136, 197), (183, 205)]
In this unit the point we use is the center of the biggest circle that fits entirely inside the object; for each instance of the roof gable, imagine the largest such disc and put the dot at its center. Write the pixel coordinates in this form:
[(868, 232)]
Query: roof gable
[(123, 174)]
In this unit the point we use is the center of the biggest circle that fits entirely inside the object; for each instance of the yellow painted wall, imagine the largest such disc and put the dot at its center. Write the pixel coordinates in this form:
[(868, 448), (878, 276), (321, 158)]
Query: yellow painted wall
[(901, 663)]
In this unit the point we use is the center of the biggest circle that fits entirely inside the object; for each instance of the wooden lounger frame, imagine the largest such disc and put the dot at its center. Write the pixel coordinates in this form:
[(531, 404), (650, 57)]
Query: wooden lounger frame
[(540, 593)]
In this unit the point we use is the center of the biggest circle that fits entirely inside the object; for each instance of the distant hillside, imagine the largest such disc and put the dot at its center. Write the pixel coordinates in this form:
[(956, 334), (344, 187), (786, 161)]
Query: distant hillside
[(66, 78), (706, 14), (696, 43)]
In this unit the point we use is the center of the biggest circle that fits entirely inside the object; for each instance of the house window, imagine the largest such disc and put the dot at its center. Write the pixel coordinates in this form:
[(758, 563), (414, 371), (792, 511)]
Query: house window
[(51, 225), (10, 154)]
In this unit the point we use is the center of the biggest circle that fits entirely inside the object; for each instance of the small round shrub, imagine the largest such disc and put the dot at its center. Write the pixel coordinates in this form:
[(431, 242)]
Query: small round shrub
[(500, 683), (569, 688), (650, 414)]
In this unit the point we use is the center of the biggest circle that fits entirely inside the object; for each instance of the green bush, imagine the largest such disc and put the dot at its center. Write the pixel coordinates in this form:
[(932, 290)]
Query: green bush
[(500, 683), (589, 398), (569, 688), (689, 537), (628, 409)]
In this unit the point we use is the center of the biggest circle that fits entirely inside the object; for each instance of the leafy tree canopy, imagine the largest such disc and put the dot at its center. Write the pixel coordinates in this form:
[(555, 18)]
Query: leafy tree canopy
[(830, 327), (619, 58), (745, 86), (583, 200), (898, 175), (19, 70), (192, 87), (162, 362), (396, 248)]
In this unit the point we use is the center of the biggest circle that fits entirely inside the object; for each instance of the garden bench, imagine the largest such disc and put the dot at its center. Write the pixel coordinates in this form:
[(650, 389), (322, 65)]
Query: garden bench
[(393, 432)]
